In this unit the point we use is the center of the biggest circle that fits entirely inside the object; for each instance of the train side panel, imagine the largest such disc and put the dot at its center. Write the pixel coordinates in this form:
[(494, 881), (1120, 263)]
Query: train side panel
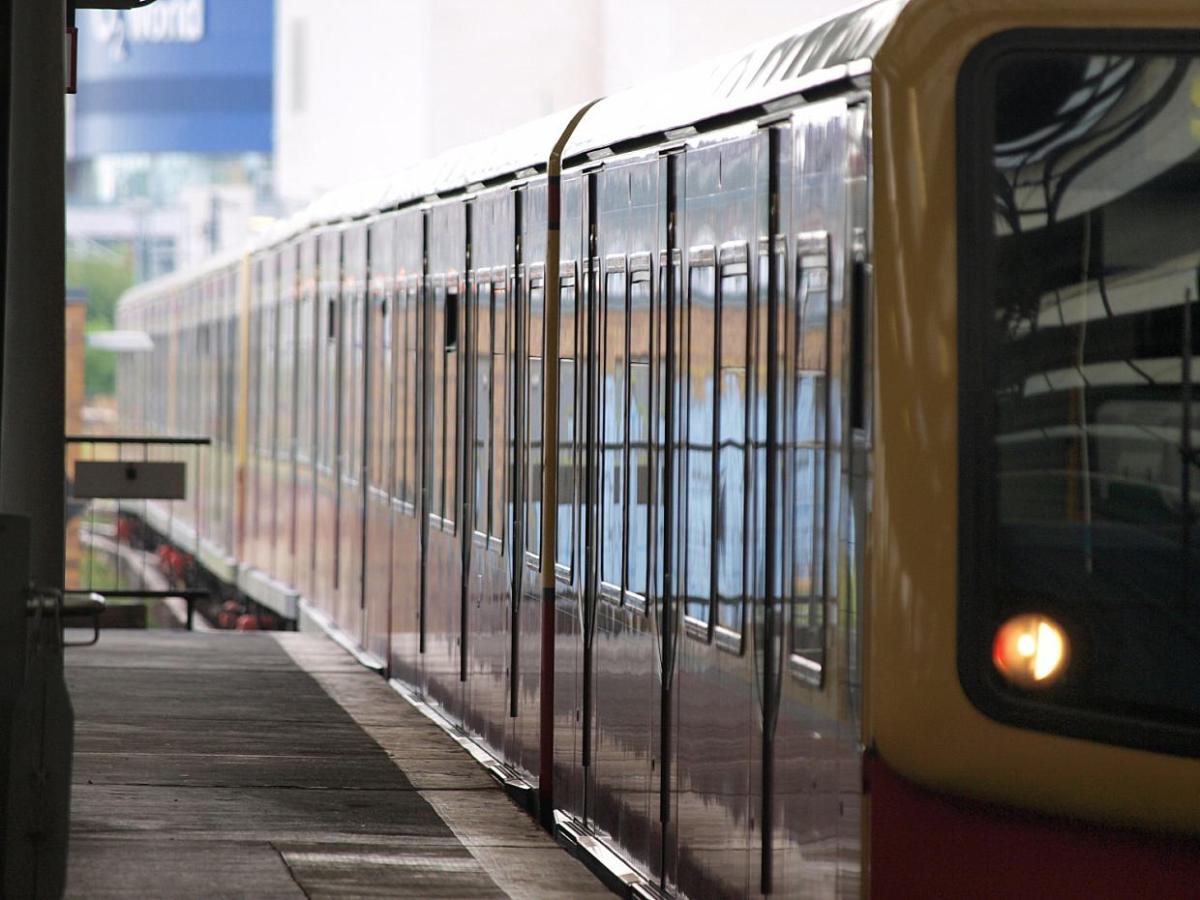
[(444, 665), (255, 433), (487, 426), (817, 783), (379, 435), (331, 321), (351, 486), (625, 661), (284, 517), (521, 747), (308, 346), (410, 442)]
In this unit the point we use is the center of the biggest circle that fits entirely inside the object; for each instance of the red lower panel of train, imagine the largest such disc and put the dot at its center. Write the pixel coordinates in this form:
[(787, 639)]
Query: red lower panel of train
[(926, 845)]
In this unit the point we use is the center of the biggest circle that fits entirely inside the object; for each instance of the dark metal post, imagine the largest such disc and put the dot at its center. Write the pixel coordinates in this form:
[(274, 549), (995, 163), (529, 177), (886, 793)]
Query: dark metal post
[(1186, 453), (774, 588), (32, 404), (519, 305), (550, 472), (667, 622), (465, 322), (14, 579), (31, 443), (587, 304)]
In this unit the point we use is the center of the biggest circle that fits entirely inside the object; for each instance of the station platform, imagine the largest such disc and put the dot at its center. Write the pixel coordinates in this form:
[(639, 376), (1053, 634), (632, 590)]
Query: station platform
[(273, 765)]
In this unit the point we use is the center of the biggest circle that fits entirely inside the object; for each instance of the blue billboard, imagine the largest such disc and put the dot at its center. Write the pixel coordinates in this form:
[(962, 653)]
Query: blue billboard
[(178, 76)]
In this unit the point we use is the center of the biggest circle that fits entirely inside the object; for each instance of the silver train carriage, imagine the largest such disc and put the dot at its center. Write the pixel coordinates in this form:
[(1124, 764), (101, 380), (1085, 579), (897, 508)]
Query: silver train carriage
[(573, 432)]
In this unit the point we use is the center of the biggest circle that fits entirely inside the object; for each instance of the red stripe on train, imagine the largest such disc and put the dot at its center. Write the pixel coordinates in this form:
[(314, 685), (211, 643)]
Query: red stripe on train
[(925, 844)]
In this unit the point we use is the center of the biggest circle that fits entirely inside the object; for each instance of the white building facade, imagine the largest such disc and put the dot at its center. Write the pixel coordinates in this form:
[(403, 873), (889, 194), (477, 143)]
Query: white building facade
[(365, 87)]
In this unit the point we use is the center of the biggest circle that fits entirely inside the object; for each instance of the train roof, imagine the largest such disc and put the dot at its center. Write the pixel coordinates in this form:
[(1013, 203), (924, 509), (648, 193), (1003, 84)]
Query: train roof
[(150, 289), (831, 51)]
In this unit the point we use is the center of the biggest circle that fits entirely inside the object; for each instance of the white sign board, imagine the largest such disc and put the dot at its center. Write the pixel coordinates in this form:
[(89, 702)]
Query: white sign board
[(164, 22), (130, 480)]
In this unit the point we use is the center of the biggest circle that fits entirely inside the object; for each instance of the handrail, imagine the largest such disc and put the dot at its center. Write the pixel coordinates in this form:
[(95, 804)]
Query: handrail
[(133, 439)]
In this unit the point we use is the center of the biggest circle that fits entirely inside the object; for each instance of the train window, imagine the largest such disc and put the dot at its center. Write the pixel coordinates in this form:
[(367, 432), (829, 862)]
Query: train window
[(331, 319), (533, 515), (254, 377), (699, 499), (858, 335), (639, 477), (612, 424), (438, 405), (638, 497), (1079, 472), (381, 381), (731, 452), (568, 402), (501, 420), (807, 455), (566, 462), (399, 327), (670, 285), (481, 439), (411, 396), (450, 318), (353, 378), (304, 337), (450, 412)]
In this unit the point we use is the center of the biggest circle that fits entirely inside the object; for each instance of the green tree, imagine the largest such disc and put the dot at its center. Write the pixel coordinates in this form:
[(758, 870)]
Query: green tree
[(105, 275)]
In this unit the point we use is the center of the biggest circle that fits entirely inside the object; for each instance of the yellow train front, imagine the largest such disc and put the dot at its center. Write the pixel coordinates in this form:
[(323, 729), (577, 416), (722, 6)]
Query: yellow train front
[(1033, 671), (890, 323)]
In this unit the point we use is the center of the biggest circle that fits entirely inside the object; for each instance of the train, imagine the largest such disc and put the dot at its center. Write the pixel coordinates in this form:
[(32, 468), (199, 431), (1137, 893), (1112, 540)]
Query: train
[(785, 470)]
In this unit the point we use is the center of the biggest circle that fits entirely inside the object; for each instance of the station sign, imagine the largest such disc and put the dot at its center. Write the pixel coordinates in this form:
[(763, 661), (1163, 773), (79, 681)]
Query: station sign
[(177, 76), (163, 22), (129, 480)]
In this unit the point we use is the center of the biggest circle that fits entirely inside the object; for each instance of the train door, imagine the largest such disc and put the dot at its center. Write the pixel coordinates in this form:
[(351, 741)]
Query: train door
[(524, 676), (309, 341), (206, 385), (518, 473), (410, 400), (326, 522), (248, 551), (443, 659), (571, 523), (721, 193), (489, 580), (620, 689), (229, 290), (268, 499), (811, 780), (219, 490), (285, 445), (379, 434), (348, 573)]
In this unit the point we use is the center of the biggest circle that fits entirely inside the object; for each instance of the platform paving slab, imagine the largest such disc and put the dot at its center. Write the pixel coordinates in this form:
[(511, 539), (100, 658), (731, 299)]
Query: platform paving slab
[(274, 765)]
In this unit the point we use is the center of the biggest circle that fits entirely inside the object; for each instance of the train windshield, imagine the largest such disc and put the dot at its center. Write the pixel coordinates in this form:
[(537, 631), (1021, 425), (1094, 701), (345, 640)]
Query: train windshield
[(1081, 449)]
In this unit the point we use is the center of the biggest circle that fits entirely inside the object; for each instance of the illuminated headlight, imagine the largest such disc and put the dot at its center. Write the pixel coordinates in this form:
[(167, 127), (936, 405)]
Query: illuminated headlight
[(1030, 650)]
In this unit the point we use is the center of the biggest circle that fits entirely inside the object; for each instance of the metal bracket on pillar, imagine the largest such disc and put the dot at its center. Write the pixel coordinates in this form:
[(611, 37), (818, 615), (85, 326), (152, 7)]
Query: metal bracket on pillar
[(36, 726), (37, 811), (36, 722), (71, 50)]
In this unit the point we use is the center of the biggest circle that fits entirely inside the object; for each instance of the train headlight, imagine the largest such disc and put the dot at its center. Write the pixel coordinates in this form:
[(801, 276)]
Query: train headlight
[(1030, 650)]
